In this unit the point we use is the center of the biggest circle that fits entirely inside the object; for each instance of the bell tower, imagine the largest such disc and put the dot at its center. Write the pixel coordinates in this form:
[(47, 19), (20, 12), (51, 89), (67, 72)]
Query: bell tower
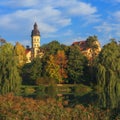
[(35, 41)]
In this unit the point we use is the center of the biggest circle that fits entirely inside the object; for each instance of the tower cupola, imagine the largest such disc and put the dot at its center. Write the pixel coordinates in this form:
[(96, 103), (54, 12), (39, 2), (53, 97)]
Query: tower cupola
[(35, 31)]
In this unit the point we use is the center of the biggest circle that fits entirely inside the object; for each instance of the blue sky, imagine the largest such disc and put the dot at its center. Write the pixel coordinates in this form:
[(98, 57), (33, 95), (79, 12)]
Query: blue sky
[(64, 20)]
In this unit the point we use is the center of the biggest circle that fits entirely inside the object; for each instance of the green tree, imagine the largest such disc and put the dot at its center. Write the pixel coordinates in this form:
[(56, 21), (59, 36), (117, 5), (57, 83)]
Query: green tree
[(51, 48), (108, 66), (94, 46), (76, 65), (32, 71), (10, 80)]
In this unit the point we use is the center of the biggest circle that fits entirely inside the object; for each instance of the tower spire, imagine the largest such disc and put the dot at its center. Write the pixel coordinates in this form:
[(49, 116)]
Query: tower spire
[(35, 31), (35, 26)]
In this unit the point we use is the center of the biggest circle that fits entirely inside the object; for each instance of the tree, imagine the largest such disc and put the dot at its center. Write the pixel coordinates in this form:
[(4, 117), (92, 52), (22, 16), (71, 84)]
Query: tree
[(32, 71), (61, 60), (76, 65), (108, 66), (20, 53), (93, 44), (52, 69), (51, 48), (10, 80)]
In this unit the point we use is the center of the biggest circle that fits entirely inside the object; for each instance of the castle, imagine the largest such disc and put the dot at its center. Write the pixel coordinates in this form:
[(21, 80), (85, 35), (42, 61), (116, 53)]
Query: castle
[(87, 51), (35, 50)]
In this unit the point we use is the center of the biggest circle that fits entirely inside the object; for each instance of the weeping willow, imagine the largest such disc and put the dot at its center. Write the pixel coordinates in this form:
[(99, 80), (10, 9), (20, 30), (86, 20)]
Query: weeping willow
[(108, 67), (101, 78), (10, 80)]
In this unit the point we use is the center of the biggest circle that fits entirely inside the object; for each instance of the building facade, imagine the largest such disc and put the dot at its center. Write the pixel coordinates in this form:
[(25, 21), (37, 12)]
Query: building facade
[(87, 51)]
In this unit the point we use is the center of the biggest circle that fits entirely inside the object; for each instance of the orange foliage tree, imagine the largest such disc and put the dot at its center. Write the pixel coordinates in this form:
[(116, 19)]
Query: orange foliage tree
[(61, 60)]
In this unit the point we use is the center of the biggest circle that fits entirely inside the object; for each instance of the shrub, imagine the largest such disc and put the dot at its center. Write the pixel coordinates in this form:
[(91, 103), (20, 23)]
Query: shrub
[(19, 108)]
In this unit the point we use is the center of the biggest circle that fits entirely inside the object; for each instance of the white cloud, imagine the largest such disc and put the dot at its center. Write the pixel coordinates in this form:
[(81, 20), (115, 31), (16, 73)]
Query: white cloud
[(68, 33), (51, 15), (21, 3), (49, 19), (109, 30), (104, 27), (116, 15), (73, 7), (80, 8), (117, 1)]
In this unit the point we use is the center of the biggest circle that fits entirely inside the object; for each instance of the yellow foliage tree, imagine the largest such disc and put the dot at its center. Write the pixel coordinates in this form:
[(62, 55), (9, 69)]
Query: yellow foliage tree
[(20, 53), (52, 69)]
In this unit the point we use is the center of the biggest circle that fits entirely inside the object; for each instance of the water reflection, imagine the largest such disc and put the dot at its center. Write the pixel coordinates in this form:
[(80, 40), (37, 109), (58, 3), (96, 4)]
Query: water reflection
[(109, 100), (106, 100)]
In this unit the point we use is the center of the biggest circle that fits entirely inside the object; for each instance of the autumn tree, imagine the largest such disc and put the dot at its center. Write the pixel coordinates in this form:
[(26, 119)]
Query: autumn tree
[(51, 49), (61, 60), (20, 53), (52, 69), (10, 80)]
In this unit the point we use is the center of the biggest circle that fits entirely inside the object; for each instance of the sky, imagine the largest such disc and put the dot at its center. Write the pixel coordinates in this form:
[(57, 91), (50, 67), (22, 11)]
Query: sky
[(66, 21)]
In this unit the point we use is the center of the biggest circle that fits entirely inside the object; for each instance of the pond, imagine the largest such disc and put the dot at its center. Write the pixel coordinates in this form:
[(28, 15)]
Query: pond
[(104, 100)]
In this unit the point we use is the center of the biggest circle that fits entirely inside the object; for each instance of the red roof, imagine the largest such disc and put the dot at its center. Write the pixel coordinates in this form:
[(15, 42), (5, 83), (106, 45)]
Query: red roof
[(27, 51), (82, 44)]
